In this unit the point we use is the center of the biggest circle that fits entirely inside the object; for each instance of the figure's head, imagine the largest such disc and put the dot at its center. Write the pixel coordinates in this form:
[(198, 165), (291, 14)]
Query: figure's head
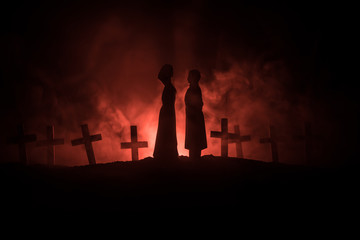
[(194, 76), (165, 74)]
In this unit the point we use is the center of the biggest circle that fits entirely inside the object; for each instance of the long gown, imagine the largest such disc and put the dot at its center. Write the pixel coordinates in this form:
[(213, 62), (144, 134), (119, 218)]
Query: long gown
[(195, 137), (166, 142)]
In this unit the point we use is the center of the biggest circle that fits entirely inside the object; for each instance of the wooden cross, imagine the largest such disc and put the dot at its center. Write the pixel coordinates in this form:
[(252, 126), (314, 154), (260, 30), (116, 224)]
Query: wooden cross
[(134, 144), (87, 141), (272, 140), (50, 143), (238, 139), (21, 139), (307, 138), (225, 137)]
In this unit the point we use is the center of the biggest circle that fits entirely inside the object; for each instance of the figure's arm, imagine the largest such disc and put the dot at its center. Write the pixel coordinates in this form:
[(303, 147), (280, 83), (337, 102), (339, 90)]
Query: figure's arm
[(193, 100), (187, 99)]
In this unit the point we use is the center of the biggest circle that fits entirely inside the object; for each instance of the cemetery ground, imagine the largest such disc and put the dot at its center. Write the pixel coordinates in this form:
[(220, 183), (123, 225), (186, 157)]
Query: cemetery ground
[(213, 185)]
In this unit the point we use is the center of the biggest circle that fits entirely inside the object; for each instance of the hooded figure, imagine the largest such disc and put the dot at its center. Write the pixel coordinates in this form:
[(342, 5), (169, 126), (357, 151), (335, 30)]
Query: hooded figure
[(166, 142), (195, 138)]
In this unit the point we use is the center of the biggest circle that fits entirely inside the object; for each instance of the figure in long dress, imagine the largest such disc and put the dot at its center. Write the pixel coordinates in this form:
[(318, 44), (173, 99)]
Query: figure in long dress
[(195, 137), (166, 142)]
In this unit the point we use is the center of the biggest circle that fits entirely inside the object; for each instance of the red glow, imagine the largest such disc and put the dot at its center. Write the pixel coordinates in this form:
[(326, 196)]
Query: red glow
[(115, 86)]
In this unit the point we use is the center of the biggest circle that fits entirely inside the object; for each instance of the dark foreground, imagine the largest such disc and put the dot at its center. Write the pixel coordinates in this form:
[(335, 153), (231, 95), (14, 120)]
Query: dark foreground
[(210, 186)]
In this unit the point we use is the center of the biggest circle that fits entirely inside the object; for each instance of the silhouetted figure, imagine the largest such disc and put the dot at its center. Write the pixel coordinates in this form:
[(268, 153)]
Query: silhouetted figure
[(166, 142), (195, 138)]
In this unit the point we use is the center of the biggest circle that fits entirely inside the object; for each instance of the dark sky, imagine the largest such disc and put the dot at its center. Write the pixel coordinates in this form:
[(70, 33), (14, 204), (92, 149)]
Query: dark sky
[(60, 53), (311, 37)]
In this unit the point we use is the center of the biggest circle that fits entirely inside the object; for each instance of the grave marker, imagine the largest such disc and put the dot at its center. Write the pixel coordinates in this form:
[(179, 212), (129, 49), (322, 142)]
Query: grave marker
[(87, 140), (308, 140), (225, 136), (134, 144), (50, 143), (238, 140), (273, 145), (21, 139)]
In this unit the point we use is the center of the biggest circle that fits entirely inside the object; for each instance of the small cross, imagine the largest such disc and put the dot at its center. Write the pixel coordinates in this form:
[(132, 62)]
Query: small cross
[(238, 140), (225, 137), (308, 140), (134, 144), (272, 140), (50, 143), (21, 139), (87, 141)]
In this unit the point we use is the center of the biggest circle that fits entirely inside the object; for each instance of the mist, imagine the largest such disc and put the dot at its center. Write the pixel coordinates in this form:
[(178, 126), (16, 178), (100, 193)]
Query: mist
[(72, 64)]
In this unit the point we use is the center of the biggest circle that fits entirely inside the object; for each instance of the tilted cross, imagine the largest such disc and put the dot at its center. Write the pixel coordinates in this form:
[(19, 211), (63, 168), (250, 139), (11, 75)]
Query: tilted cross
[(238, 140), (273, 145), (21, 139), (87, 141), (225, 136), (50, 143), (134, 144)]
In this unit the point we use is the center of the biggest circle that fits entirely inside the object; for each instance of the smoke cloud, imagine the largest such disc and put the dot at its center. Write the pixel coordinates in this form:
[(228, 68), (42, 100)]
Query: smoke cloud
[(98, 65)]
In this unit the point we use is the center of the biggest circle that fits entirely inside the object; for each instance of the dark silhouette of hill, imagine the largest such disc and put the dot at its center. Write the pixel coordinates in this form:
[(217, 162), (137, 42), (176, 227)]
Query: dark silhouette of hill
[(211, 185)]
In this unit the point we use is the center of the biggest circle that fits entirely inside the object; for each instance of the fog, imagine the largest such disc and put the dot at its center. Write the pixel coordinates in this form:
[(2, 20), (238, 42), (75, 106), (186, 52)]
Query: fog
[(70, 65)]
